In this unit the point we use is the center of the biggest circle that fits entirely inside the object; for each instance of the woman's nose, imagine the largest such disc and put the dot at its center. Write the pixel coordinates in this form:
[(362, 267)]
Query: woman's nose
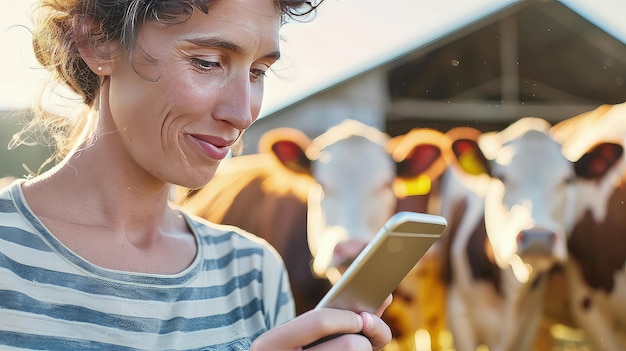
[(234, 103)]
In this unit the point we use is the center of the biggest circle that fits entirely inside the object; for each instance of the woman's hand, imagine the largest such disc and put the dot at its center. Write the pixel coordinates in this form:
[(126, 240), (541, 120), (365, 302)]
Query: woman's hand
[(364, 331)]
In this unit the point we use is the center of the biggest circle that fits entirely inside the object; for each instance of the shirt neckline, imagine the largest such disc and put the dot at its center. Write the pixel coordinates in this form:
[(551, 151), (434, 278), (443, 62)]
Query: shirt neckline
[(104, 273)]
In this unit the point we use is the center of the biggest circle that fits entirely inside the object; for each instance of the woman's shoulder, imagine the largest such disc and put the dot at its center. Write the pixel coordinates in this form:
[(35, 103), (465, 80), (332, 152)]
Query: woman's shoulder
[(18, 224), (224, 234), (9, 191), (231, 243), (6, 181)]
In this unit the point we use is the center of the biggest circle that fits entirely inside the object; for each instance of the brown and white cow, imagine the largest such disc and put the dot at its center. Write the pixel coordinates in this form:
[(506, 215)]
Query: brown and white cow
[(509, 229), (596, 269), (320, 200)]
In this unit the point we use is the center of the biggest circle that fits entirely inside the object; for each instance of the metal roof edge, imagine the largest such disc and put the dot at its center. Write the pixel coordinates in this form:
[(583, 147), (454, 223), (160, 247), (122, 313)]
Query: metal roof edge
[(478, 19)]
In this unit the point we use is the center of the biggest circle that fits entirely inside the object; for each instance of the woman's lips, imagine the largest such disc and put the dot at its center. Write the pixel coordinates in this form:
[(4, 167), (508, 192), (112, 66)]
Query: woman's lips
[(214, 147)]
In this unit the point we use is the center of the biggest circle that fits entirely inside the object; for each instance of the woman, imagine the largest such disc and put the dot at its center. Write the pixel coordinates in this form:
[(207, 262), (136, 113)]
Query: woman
[(92, 255)]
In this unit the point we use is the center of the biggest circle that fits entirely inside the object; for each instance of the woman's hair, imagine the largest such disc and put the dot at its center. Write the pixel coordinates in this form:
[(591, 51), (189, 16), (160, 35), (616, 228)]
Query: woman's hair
[(56, 48)]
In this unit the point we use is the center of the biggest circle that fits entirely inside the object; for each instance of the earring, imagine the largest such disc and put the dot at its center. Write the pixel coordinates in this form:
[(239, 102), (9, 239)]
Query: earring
[(99, 68)]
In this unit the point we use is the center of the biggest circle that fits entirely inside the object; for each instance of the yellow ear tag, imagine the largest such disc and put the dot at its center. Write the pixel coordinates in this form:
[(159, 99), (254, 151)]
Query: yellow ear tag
[(470, 164), (420, 185)]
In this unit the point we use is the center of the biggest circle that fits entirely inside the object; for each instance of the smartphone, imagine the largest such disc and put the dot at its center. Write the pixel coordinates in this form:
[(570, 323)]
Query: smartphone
[(383, 263)]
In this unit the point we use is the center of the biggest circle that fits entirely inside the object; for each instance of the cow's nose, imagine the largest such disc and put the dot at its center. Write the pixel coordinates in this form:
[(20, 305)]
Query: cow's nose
[(536, 241)]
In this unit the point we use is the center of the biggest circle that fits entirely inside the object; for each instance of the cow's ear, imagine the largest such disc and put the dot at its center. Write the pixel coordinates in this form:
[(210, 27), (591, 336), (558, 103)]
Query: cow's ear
[(416, 172), (418, 152), (465, 151), (292, 156), (598, 160), (418, 161), (288, 146), (469, 157)]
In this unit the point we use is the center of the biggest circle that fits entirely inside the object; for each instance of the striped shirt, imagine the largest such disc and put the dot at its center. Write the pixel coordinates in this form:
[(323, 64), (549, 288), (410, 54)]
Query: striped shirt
[(52, 299)]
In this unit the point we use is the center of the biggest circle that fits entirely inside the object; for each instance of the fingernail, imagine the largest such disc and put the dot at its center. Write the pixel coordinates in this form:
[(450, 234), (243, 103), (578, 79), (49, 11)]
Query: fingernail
[(368, 320)]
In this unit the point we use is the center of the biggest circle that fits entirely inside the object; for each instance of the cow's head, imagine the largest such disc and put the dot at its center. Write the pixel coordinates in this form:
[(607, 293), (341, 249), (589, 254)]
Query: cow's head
[(530, 194), (595, 138), (356, 174)]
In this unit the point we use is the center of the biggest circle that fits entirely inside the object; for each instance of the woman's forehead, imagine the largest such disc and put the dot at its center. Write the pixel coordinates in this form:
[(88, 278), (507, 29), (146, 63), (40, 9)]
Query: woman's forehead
[(248, 25)]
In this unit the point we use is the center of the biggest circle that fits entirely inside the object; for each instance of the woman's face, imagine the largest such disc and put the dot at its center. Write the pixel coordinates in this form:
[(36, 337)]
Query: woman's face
[(192, 88)]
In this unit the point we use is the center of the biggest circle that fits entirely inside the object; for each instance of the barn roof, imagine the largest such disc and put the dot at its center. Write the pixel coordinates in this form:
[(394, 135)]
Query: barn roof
[(528, 58)]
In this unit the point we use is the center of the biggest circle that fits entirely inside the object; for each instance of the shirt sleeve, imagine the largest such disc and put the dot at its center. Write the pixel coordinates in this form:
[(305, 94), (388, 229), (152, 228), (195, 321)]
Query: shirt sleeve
[(278, 298)]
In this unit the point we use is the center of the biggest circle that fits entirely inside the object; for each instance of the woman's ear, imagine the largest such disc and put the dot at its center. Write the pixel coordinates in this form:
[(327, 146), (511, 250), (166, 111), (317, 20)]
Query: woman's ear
[(95, 51)]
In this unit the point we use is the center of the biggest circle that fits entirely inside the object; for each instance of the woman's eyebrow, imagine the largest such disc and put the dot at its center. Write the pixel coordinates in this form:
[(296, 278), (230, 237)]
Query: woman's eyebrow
[(213, 42)]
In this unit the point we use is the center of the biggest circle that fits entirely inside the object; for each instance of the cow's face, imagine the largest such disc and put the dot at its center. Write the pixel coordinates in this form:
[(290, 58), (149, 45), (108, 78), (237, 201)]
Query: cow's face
[(526, 203), (352, 200), (353, 193), (534, 194), (529, 196)]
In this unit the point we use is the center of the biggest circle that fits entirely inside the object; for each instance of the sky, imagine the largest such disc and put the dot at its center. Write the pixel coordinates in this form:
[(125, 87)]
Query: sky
[(346, 37)]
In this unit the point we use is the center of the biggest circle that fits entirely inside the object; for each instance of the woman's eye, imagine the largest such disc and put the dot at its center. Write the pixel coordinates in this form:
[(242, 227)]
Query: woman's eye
[(257, 74), (204, 65)]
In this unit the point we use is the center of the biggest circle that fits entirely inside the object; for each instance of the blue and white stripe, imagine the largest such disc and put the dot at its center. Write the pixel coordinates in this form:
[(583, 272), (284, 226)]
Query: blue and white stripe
[(52, 299)]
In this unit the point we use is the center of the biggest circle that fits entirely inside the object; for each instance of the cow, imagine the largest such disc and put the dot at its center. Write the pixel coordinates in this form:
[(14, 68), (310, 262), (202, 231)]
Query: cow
[(319, 201), (510, 215), (419, 300), (596, 267)]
